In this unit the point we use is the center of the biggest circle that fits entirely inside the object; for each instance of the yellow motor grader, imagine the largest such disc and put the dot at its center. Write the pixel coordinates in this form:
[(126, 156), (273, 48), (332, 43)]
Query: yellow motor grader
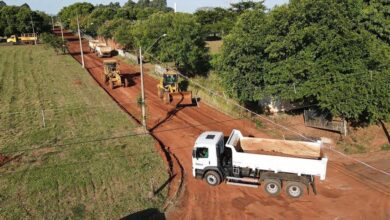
[(168, 90), (112, 75)]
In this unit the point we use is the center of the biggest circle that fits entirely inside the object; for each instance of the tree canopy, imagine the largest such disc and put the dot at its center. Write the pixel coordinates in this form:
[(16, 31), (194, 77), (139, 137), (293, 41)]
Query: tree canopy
[(18, 19), (216, 21), (184, 43), (323, 52)]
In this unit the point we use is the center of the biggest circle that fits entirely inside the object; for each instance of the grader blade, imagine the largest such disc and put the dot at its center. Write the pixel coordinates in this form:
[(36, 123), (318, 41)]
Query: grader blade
[(181, 98)]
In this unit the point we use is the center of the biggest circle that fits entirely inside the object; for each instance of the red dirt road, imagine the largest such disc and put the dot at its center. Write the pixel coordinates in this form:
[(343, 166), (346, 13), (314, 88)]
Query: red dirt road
[(345, 194)]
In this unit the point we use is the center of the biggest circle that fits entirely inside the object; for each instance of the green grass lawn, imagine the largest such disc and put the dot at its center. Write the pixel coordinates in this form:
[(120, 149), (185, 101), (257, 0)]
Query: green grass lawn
[(83, 160)]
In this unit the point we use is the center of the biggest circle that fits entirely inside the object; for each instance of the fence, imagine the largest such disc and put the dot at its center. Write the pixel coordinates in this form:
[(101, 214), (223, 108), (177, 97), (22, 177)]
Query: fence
[(317, 120)]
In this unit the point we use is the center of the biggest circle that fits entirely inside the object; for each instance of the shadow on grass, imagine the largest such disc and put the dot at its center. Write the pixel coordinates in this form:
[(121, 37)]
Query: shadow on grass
[(147, 214)]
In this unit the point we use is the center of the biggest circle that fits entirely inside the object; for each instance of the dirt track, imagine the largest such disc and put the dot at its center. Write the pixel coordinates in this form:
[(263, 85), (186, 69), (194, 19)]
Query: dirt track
[(344, 194)]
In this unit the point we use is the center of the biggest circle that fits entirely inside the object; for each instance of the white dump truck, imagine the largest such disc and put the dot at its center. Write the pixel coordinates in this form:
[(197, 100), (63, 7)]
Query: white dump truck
[(92, 45), (103, 51), (247, 161)]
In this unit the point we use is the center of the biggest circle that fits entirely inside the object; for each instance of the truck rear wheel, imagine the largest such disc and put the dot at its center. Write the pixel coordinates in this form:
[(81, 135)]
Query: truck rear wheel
[(294, 189), (212, 178), (272, 187)]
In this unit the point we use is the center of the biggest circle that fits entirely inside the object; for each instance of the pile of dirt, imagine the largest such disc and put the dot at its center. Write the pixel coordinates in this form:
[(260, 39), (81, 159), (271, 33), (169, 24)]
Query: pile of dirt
[(3, 159)]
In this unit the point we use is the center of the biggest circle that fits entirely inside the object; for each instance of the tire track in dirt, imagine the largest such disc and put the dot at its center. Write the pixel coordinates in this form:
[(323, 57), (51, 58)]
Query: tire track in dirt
[(336, 195)]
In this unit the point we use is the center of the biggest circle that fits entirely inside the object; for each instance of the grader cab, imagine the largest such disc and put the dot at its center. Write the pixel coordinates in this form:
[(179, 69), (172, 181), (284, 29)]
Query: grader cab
[(112, 75), (168, 90)]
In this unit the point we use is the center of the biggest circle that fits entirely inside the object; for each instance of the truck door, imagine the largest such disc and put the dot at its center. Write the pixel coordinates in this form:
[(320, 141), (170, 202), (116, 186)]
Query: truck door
[(201, 157)]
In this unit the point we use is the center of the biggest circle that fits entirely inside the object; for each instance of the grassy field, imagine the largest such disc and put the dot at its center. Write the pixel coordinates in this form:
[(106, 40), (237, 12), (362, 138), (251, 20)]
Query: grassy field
[(214, 46), (75, 153)]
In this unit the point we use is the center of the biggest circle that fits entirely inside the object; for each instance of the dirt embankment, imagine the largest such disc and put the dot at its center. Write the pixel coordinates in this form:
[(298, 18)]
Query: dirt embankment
[(347, 193)]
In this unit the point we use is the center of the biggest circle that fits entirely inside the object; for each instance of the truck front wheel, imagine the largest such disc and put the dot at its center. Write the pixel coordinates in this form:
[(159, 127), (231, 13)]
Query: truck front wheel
[(294, 189), (213, 178), (272, 187)]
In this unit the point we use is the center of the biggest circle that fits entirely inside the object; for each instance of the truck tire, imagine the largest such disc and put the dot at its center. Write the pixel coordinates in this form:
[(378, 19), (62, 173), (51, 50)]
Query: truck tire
[(272, 187), (212, 178), (167, 98), (294, 189), (126, 82), (160, 93)]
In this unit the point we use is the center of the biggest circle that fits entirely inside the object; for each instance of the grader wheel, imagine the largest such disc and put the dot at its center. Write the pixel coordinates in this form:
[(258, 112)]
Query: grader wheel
[(160, 93), (167, 98), (112, 84)]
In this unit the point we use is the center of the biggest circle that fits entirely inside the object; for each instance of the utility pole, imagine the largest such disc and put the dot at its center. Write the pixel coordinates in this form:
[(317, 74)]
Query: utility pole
[(35, 36), (62, 33), (81, 45), (52, 22), (175, 7), (142, 82), (142, 90)]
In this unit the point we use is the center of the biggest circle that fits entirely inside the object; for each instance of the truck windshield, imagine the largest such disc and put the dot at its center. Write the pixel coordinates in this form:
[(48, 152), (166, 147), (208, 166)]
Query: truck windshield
[(202, 152), (169, 79)]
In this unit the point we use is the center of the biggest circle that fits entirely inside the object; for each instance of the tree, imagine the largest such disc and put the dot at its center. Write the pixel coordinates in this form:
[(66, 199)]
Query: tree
[(97, 18), (243, 6), (68, 14), (124, 36), (318, 52), (216, 21), (108, 29), (376, 19), (17, 20), (2, 3), (160, 4), (54, 42), (129, 4), (184, 43), (143, 3)]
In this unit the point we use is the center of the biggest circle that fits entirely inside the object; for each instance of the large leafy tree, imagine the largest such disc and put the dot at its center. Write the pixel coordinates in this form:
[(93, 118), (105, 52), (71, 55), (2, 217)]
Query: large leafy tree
[(216, 21), (68, 14), (314, 51), (184, 43), (98, 17), (17, 20)]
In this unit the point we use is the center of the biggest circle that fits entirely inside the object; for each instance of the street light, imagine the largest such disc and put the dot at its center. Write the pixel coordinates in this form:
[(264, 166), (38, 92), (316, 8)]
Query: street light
[(142, 81)]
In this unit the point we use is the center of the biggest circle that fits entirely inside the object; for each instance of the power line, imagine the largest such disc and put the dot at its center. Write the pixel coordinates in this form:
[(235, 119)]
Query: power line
[(44, 145)]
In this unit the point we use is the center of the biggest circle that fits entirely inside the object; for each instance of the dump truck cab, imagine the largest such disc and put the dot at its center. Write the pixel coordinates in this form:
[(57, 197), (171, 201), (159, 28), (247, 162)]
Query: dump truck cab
[(12, 39), (206, 153)]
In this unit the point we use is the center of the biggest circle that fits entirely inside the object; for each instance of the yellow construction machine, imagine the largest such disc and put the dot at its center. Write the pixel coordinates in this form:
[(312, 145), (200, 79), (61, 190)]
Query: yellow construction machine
[(23, 39), (112, 75), (168, 90)]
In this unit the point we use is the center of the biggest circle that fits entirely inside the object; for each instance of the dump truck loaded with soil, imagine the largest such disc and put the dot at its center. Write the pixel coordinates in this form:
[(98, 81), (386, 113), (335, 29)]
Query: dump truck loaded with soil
[(253, 161), (100, 48)]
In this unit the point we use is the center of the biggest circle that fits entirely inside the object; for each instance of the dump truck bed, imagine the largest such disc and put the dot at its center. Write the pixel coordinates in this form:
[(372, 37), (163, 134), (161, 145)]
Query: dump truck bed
[(104, 49), (280, 147), (261, 160)]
